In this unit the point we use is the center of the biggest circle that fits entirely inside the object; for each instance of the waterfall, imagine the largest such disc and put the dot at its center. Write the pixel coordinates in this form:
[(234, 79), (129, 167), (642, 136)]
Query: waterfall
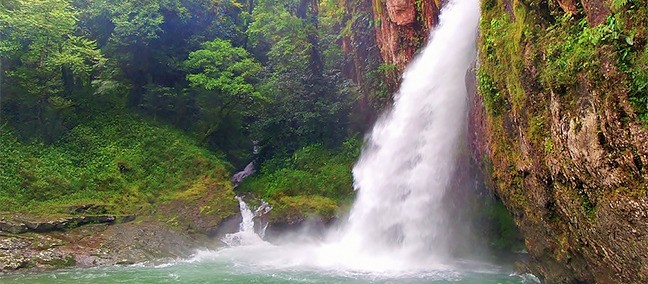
[(399, 222), (408, 161), (246, 234)]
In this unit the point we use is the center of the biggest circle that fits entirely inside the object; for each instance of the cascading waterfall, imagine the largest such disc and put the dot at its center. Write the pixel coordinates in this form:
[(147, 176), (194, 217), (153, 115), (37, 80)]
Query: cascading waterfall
[(246, 234), (409, 160), (398, 222)]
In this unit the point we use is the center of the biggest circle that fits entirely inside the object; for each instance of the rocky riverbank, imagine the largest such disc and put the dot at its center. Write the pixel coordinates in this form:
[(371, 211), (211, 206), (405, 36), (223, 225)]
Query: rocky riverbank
[(91, 236), (36, 242)]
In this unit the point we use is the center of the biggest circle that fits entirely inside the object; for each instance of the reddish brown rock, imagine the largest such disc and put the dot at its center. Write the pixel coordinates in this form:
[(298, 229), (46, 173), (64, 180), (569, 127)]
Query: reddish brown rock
[(596, 11), (402, 27), (569, 6), (401, 12)]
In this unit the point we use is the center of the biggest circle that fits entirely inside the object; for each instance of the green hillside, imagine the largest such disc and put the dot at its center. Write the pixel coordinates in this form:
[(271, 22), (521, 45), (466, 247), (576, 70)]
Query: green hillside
[(122, 161)]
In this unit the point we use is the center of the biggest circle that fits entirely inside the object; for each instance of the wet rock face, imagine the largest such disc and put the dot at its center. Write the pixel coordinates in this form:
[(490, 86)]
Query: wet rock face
[(402, 27), (566, 157), (401, 12)]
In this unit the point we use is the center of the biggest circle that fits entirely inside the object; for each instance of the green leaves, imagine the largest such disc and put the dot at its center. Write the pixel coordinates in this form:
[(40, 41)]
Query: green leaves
[(113, 158), (39, 37), (229, 70), (136, 21), (313, 170), (223, 78), (80, 55)]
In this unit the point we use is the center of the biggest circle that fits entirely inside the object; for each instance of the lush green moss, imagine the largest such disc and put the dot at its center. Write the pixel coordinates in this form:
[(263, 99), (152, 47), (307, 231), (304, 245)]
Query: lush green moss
[(502, 47), (570, 46), (288, 208), (632, 49), (493, 100), (112, 159), (563, 50)]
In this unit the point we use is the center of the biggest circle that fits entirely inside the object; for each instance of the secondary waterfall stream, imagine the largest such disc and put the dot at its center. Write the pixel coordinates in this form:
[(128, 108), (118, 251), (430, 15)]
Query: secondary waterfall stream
[(246, 234)]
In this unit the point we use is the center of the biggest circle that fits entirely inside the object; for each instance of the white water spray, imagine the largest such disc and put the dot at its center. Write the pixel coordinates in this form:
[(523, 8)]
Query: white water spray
[(398, 223), (409, 160), (246, 235)]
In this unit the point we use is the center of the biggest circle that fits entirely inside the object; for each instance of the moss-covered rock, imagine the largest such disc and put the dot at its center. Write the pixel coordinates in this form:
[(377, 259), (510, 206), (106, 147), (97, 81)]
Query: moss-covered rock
[(564, 134), (293, 210), (201, 208)]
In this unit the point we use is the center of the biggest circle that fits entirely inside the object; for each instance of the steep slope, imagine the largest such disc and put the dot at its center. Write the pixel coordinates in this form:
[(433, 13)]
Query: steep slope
[(122, 164), (564, 90), (402, 26)]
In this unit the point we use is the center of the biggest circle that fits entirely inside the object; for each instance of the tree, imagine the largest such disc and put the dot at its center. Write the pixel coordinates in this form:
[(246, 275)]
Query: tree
[(309, 104), (47, 63), (224, 78), (149, 39)]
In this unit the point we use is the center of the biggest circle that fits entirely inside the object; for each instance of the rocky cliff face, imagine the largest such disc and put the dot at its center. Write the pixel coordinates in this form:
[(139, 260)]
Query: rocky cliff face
[(402, 27), (559, 127), (380, 38)]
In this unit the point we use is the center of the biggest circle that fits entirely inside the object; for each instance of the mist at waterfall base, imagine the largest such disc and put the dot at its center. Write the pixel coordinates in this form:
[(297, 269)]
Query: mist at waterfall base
[(400, 228)]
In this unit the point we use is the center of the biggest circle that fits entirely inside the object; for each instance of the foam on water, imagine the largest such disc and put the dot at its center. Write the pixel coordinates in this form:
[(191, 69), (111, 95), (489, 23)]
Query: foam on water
[(246, 235)]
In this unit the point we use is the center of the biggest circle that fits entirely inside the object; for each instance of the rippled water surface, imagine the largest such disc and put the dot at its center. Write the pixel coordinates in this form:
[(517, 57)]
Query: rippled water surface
[(246, 265)]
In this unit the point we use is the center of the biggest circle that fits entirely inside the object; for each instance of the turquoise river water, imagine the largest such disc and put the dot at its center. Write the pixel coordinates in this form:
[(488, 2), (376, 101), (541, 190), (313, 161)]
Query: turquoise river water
[(268, 264)]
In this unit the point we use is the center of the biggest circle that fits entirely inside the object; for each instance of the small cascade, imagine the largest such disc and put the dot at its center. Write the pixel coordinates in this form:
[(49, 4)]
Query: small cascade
[(263, 210), (249, 169), (247, 235)]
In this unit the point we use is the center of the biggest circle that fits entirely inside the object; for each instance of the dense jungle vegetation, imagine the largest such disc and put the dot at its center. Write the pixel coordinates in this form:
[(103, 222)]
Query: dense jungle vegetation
[(124, 102)]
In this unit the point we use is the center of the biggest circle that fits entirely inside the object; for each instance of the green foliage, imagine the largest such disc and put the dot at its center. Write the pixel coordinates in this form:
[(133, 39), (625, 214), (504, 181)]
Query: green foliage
[(301, 207), (313, 170), (309, 103), (570, 47), (47, 65), (313, 181), (225, 72), (39, 38), (632, 19), (136, 22), (147, 41), (387, 68), (493, 100), (618, 4), (639, 86), (226, 76), (228, 70), (118, 159), (502, 38)]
